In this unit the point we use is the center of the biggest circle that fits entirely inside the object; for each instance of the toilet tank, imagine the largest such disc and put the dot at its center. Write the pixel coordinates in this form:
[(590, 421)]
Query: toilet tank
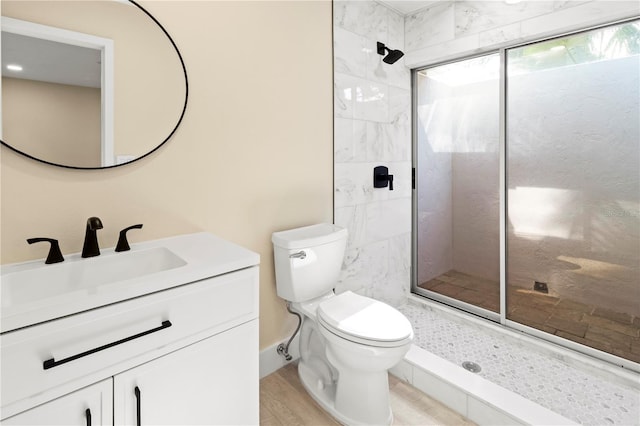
[(308, 260)]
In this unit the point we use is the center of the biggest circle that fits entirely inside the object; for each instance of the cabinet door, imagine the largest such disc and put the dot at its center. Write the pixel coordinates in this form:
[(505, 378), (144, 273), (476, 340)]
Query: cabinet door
[(214, 381), (90, 406)]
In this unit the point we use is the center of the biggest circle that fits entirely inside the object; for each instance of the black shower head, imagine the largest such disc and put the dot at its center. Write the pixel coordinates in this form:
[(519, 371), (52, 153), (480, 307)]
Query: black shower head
[(393, 55)]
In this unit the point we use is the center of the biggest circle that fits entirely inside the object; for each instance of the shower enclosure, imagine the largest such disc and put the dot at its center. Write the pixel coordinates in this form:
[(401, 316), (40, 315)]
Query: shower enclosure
[(527, 188)]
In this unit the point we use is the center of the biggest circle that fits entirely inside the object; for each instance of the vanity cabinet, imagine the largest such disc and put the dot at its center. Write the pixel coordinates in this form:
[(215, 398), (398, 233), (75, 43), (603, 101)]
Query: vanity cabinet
[(210, 382), (88, 406), (187, 354)]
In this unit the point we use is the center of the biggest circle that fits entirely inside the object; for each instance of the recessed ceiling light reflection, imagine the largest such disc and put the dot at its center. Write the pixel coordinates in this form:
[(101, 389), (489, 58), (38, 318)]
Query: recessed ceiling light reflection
[(14, 67)]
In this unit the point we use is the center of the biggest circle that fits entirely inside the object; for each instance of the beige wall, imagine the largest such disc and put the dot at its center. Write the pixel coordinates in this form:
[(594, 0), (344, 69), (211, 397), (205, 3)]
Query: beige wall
[(254, 153), (66, 117)]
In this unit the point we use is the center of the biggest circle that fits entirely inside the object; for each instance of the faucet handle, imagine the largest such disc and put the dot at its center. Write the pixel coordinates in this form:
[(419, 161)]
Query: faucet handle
[(123, 244), (55, 255)]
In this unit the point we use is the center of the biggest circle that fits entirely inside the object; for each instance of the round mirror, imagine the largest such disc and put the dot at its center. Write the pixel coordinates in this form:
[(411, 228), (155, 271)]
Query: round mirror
[(88, 84)]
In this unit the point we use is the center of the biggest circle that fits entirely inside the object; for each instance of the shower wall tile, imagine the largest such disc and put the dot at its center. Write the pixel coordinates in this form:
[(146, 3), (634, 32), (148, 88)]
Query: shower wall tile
[(377, 138), (352, 276), (390, 288), (398, 101), (372, 128), (589, 13), (390, 74), (354, 219), (350, 138), (400, 253), (388, 219), (350, 54), (395, 38), (367, 18), (360, 99), (430, 26), (500, 35), (371, 101), (351, 185), (475, 16), (363, 266), (454, 29), (386, 142), (344, 87)]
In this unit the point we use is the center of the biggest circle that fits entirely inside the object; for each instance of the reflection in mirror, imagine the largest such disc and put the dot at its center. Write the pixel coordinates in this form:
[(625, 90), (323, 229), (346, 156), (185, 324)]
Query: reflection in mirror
[(121, 113), (58, 87)]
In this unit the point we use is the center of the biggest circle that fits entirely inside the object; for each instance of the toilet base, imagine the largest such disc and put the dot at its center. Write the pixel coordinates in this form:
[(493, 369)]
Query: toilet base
[(325, 395)]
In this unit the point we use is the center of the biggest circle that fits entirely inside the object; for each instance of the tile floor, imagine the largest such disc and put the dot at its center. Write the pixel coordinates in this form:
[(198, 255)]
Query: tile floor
[(579, 395), (474, 290), (617, 333)]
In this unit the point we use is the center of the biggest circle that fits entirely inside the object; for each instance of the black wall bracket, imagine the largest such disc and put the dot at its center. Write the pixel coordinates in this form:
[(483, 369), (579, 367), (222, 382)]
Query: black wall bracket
[(382, 178)]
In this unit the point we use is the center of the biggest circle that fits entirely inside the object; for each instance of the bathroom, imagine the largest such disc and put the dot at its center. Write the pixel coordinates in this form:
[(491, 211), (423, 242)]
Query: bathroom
[(268, 142)]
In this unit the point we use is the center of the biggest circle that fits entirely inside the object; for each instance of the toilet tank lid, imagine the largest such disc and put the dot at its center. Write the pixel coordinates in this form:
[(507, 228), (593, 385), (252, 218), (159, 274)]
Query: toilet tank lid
[(308, 236)]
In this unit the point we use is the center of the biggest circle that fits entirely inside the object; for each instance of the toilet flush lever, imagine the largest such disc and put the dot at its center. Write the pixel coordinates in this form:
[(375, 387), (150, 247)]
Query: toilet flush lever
[(299, 255)]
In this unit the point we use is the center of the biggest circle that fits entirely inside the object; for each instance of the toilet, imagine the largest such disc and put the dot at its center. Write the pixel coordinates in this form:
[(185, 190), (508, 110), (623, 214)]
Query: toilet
[(347, 341)]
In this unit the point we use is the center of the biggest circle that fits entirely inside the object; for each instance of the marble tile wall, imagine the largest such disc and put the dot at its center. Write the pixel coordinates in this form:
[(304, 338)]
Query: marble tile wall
[(452, 29), (372, 127), (372, 110)]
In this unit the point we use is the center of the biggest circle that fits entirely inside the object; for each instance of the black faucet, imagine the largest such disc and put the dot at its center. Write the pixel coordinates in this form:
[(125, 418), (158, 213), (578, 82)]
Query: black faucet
[(123, 244), (55, 255), (90, 247)]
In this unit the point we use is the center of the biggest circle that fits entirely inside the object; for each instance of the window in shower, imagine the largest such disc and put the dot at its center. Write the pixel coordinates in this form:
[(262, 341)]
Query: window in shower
[(457, 197), (573, 187)]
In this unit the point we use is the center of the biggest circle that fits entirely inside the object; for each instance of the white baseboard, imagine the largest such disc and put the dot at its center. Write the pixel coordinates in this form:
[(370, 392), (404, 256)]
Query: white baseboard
[(271, 360)]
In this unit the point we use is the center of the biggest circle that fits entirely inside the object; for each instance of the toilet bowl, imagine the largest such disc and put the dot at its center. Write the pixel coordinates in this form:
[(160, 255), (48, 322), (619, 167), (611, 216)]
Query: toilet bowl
[(348, 341)]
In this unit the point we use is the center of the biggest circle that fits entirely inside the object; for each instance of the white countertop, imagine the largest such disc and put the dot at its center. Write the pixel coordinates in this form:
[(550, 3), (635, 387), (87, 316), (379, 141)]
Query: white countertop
[(204, 254)]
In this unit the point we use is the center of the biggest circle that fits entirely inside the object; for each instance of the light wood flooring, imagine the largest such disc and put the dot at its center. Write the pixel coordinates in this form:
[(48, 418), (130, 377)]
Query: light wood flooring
[(283, 401)]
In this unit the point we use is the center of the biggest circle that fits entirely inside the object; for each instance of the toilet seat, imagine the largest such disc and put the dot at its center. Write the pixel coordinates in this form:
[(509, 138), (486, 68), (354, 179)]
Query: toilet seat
[(364, 320)]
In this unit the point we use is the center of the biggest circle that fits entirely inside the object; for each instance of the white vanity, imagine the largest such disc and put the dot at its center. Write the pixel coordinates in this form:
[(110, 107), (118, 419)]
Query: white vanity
[(166, 333)]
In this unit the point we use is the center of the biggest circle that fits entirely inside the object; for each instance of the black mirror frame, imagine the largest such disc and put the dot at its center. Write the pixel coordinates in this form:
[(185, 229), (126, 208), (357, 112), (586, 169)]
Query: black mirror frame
[(184, 109)]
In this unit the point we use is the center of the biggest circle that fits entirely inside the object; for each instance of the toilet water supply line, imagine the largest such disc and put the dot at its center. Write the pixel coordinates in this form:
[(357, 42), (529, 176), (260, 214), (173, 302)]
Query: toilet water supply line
[(282, 348)]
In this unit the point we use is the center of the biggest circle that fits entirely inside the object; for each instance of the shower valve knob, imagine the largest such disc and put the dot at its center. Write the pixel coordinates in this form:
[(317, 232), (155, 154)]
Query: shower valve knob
[(382, 178)]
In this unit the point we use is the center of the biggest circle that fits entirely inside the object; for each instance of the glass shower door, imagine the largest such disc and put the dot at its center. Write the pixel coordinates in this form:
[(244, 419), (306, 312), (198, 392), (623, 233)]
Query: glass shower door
[(573, 188), (457, 196)]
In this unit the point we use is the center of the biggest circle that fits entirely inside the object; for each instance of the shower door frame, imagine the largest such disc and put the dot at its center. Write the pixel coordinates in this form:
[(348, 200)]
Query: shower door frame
[(500, 317)]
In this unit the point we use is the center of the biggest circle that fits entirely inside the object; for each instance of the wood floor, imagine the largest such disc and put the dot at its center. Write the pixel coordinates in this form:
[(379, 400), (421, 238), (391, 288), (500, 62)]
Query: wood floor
[(283, 401)]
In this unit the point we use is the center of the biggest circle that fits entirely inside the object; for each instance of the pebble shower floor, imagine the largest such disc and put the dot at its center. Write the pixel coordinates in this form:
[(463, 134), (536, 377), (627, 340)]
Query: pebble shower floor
[(571, 392)]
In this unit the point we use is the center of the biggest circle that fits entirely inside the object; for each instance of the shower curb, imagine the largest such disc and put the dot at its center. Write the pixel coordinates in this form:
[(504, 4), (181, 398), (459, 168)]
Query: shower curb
[(470, 395)]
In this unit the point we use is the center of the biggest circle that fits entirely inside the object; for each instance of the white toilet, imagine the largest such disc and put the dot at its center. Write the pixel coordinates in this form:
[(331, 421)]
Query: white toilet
[(347, 341)]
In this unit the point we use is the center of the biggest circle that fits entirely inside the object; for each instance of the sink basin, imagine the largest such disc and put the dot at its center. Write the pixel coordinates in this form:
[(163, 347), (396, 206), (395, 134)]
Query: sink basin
[(33, 292), (87, 275)]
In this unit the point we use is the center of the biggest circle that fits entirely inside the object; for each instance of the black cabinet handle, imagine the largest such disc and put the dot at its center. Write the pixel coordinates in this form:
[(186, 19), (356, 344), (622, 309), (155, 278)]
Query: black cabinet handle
[(138, 398), (88, 415), (50, 363)]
